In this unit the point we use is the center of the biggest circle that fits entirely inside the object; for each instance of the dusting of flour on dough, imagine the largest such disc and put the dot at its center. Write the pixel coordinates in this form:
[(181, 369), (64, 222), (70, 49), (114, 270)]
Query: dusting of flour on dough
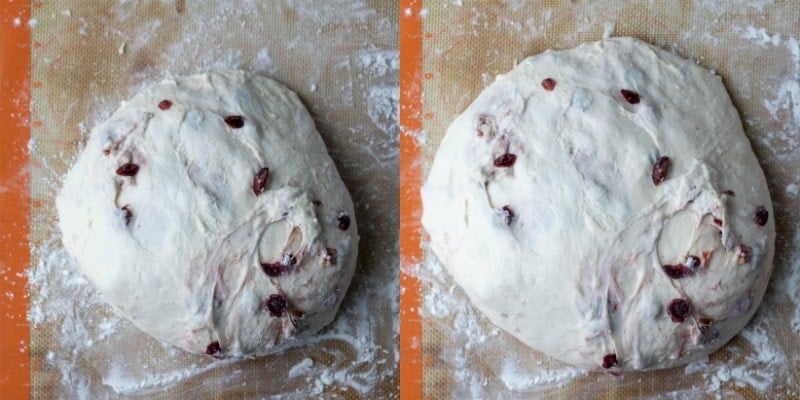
[(477, 342)]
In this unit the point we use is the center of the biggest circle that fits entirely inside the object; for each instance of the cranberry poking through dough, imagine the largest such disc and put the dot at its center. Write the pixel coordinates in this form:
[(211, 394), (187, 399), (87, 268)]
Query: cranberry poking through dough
[(129, 169), (164, 104), (280, 267), (678, 271), (235, 121), (630, 96), (660, 170), (276, 304), (762, 216), (549, 84), (679, 310), (330, 257), (343, 221), (609, 360), (260, 181), (505, 161), (274, 269), (212, 348)]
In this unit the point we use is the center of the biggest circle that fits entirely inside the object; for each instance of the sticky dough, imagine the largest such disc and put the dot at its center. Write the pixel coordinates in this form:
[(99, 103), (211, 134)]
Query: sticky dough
[(603, 205), (208, 212)]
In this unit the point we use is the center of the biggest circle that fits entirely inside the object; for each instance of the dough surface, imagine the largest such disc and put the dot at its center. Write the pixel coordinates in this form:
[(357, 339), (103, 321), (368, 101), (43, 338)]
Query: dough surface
[(603, 205), (209, 213)]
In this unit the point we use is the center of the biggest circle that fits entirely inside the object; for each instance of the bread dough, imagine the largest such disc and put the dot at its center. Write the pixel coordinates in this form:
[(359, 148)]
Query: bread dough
[(208, 213), (603, 205)]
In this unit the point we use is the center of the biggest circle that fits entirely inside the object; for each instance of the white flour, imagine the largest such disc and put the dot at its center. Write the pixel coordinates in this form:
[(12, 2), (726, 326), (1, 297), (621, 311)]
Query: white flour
[(475, 346), (91, 351)]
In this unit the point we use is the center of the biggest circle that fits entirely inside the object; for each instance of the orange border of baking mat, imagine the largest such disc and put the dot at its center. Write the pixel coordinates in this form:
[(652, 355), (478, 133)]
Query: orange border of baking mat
[(15, 63), (410, 205)]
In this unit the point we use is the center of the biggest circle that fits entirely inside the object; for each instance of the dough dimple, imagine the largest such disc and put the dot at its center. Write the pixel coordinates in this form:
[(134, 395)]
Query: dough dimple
[(603, 205), (208, 212)]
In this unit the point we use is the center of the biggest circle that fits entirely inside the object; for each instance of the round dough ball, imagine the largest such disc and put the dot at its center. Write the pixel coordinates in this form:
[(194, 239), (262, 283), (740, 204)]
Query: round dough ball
[(208, 213), (603, 205)]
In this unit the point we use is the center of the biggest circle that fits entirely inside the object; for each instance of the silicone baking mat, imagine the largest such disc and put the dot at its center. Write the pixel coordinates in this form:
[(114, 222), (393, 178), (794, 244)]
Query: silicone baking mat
[(753, 46)]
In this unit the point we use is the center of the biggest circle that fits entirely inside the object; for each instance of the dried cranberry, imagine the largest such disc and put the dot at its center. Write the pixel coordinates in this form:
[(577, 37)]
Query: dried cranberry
[(316, 203), (274, 269), (744, 254), (677, 271), (164, 104), (343, 220), (128, 169), (660, 170), (281, 267), (762, 216), (213, 348), (295, 316), (730, 193), (679, 310), (630, 96), (508, 214), (330, 257), (260, 181), (128, 214), (609, 360), (549, 84), (685, 269), (235, 121), (276, 305), (505, 161), (708, 334), (717, 221)]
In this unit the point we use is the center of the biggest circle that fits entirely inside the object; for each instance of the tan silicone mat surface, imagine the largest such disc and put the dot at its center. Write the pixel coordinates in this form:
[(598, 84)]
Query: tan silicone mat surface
[(341, 58), (753, 46)]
